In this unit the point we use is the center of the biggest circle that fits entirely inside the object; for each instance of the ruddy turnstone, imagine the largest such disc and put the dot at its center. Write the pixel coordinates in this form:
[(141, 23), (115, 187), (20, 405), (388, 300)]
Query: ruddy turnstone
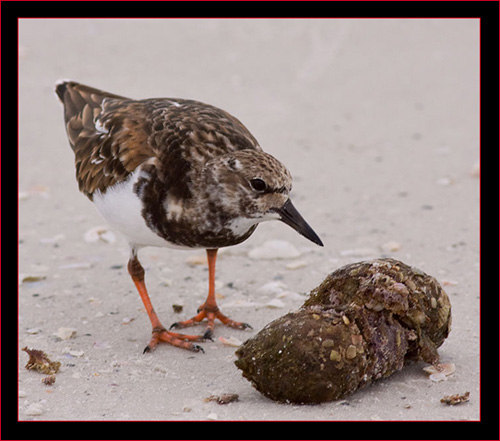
[(174, 173)]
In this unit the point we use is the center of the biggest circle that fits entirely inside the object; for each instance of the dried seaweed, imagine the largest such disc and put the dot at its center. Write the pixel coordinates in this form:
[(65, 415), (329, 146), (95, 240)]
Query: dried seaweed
[(453, 400), (222, 399), (40, 362)]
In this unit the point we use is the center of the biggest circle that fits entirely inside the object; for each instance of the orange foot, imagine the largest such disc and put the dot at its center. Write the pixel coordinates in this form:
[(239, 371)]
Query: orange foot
[(160, 334), (209, 310), (210, 313)]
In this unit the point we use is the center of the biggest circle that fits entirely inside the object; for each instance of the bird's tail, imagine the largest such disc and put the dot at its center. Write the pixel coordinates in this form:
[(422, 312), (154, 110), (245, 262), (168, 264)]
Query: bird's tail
[(79, 99)]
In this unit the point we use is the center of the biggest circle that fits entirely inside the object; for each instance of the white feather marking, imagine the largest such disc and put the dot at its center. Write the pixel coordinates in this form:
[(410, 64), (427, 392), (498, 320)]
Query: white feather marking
[(100, 128), (241, 225), (174, 208), (121, 208)]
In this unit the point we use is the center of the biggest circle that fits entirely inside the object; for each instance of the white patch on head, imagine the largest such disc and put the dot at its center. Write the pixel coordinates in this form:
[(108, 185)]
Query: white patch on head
[(272, 215), (241, 225), (174, 103)]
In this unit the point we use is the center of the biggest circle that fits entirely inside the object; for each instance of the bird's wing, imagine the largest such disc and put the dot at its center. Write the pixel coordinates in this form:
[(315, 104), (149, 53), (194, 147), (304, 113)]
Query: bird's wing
[(185, 134), (112, 135), (108, 140)]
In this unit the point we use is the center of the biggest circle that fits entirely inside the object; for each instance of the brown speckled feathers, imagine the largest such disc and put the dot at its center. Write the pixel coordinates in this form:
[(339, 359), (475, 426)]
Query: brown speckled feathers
[(175, 173), (112, 135)]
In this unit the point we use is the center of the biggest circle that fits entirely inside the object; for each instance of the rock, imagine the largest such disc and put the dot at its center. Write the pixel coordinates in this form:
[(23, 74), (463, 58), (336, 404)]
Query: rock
[(360, 324), (301, 358)]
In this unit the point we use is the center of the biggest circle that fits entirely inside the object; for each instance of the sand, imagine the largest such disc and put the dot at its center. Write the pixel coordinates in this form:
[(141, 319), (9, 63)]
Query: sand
[(377, 121)]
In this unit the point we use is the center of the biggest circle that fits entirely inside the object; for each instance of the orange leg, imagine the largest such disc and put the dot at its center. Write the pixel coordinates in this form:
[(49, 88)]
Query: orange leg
[(160, 334), (209, 309)]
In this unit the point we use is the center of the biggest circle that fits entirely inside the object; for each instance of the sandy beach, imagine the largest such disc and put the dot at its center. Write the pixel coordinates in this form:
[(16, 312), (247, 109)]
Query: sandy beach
[(378, 122)]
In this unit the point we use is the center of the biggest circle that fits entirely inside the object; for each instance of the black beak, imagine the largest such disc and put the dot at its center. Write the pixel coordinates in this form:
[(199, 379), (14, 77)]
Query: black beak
[(290, 216)]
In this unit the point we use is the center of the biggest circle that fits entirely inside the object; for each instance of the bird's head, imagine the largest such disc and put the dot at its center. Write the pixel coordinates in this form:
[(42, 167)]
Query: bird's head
[(251, 187)]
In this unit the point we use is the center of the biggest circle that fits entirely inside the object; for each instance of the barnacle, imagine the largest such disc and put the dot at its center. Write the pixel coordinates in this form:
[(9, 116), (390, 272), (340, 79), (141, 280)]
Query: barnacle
[(360, 324)]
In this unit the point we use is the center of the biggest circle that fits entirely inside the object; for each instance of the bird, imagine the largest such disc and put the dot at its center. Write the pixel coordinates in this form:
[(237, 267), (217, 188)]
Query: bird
[(175, 173)]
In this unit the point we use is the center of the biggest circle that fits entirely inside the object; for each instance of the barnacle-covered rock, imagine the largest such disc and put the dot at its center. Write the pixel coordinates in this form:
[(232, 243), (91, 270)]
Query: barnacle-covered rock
[(412, 297), (360, 324), (310, 355)]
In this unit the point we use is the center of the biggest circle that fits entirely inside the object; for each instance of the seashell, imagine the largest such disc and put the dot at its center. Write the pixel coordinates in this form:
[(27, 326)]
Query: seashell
[(441, 368), (358, 252), (231, 341), (31, 278), (275, 287), (222, 399), (65, 333), (100, 233), (75, 353), (296, 264), (390, 246), (34, 410), (437, 377), (274, 249), (53, 239), (275, 303), (197, 259), (76, 265), (475, 171)]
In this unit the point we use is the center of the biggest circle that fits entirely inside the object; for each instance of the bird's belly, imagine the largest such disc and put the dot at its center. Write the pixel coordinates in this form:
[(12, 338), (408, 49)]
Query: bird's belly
[(121, 208)]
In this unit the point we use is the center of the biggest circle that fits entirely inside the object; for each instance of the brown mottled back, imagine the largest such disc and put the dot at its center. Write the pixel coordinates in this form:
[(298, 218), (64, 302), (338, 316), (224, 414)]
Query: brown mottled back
[(112, 135)]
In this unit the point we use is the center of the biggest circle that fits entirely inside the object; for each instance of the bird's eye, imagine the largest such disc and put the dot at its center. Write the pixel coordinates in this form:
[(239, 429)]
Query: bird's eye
[(258, 184)]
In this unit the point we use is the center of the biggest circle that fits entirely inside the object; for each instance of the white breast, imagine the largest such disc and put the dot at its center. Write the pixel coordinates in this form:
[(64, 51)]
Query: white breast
[(121, 208)]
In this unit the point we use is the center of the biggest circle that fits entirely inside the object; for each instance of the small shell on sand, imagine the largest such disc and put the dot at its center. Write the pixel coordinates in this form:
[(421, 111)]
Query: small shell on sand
[(100, 233), (65, 333), (274, 249), (439, 372)]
